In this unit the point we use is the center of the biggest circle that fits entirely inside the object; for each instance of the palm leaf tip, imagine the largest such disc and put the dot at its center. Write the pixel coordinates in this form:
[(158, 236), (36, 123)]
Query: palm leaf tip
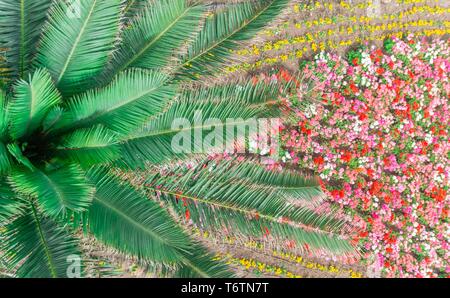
[(57, 191), (125, 105), (32, 100), (157, 32), (36, 247), (76, 45), (224, 32), (21, 22), (141, 227)]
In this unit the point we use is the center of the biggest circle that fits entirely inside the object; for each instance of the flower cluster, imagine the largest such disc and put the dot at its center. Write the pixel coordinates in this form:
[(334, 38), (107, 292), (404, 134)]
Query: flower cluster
[(376, 132)]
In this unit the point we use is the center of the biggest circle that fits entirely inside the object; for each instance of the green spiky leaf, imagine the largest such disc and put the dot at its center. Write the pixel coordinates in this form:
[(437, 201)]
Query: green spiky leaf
[(21, 23), (126, 104), (56, 191), (77, 41), (157, 33), (36, 247), (228, 106), (90, 146), (123, 218), (32, 101), (224, 32)]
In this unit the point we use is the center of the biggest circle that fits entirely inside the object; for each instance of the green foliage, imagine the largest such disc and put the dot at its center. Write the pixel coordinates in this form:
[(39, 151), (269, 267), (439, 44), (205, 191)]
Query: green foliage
[(77, 41), (32, 101), (21, 23), (56, 191), (37, 247), (223, 32), (388, 44), (141, 227), (224, 196), (98, 86)]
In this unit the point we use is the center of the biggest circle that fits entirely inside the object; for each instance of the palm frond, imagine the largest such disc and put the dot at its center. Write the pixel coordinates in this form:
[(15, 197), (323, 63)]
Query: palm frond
[(123, 106), (200, 263), (5, 159), (224, 32), (36, 247), (10, 206), (156, 33), (124, 219), (4, 121), (228, 205), (228, 106), (291, 185), (21, 22), (77, 41), (133, 9), (17, 154), (90, 146), (57, 191), (32, 100)]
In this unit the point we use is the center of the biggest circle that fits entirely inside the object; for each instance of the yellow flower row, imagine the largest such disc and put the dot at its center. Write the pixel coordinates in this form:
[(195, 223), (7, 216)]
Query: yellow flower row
[(408, 13), (340, 30), (284, 255), (251, 264), (307, 264), (313, 46), (328, 5)]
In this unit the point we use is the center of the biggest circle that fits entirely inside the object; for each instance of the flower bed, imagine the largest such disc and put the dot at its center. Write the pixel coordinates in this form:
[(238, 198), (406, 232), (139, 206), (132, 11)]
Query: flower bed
[(313, 26), (377, 135)]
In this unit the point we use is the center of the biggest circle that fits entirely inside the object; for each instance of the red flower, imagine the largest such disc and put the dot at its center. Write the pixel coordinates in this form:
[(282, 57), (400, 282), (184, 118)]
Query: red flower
[(380, 71), (319, 160), (362, 116), (188, 214), (391, 65), (346, 156), (375, 188)]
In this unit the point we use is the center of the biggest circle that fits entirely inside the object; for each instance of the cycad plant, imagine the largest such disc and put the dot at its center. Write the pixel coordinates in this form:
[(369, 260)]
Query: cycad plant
[(89, 91)]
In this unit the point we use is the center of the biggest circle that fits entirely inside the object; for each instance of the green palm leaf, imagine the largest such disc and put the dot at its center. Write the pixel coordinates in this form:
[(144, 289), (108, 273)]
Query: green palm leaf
[(36, 247), (288, 184), (10, 206), (56, 191), (15, 151), (133, 8), (74, 47), (159, 30), (221, 203), (3, 116), (124, 105), (5, 159), (21, 22), (32, 100), (153, 143), (200, 263), (129, 222), (223, 32), (90, 146)]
